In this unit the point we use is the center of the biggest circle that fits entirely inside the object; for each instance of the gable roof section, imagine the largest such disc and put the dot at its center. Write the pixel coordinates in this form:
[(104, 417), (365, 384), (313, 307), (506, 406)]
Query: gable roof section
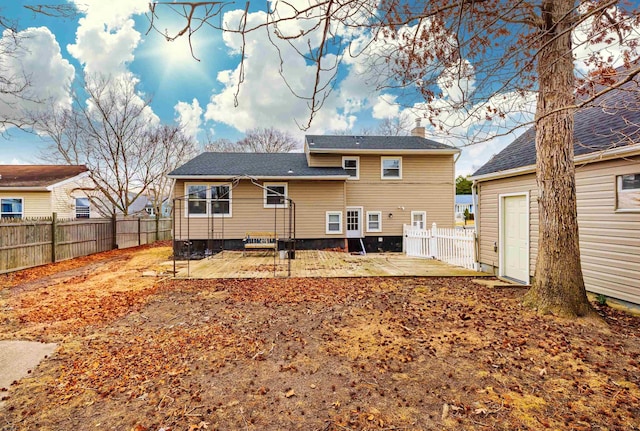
[(375, 144), (259, 165), (612, 124), (37, 176)]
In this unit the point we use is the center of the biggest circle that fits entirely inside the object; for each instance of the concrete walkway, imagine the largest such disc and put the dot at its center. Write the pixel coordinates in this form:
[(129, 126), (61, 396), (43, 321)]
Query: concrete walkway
[(17, 358)]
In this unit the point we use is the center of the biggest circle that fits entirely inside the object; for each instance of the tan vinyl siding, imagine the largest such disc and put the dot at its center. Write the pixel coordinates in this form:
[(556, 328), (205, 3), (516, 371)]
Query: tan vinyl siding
[(609, 239), (312, 199), (324, 160), (34, 204), (427, 184), (489, 208)]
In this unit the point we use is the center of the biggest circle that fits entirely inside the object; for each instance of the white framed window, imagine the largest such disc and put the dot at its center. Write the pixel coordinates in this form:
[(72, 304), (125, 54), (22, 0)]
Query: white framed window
[(334, 222), (628, 192), (83, 209), (419, 219), (275, 195), (208, 200), (374, 221), (11, 208), (351, 164), (391, 168)]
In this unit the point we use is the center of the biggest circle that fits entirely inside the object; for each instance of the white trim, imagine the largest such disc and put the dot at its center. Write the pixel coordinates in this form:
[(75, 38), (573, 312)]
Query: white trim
[(501, 233), (80, 176), (357, 159), (384, 151), (379, 213), (424, 218), (634, 192), (596, 156), (207, 200), (13, 197), (360, 211), (329, 213), (382, 159), (285, 196), (205, 178)]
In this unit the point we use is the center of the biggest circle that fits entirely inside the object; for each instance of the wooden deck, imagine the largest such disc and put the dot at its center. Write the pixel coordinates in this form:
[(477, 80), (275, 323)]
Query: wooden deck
[(315, 263)]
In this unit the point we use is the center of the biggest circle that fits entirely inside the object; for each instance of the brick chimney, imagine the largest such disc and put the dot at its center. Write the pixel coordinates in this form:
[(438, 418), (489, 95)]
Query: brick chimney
[(418, 130)]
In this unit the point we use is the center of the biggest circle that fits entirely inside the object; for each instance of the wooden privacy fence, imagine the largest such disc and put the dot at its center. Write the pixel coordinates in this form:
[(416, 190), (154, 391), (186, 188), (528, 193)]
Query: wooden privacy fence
[(454, 246), (29, 243)]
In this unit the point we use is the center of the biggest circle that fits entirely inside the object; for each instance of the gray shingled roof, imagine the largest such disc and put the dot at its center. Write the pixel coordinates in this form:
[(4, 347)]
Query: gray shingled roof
[(253, 164), (613, 122), (347, 142)]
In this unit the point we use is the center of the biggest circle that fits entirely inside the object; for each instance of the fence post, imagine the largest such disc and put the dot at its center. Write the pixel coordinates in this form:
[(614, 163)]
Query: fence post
[(114, 231), (139, 230), (433, 246), (54, 229)]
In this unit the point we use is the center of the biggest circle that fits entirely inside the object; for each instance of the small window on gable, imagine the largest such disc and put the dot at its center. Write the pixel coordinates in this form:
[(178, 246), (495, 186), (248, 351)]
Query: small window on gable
[(11, 208), (275, 195), (374, 221), (391, 168), (352, 166), (334, 222), (628, 192)]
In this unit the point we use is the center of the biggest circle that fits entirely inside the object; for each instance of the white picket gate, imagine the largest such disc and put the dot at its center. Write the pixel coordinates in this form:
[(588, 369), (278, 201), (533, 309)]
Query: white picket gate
[(454, 246)]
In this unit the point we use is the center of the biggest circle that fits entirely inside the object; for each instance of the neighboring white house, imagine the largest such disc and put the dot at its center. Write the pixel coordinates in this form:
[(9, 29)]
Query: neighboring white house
[(463, 202)]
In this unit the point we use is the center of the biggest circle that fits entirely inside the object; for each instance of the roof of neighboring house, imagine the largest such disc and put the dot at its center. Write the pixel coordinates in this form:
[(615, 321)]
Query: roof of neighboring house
[(613, 122), (260, 165), (464, 199), (321, 143), (37, 175)]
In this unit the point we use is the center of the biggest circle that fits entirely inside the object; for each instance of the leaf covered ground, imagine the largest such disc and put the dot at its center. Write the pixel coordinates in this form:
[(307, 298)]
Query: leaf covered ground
[(142, 353)]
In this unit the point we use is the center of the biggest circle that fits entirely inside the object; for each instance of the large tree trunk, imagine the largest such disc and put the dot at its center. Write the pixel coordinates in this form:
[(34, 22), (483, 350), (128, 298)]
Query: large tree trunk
[(558, 286)]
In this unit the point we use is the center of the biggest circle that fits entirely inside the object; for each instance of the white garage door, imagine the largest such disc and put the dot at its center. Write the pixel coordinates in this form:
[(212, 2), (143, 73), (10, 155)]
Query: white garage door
[(515, 238)]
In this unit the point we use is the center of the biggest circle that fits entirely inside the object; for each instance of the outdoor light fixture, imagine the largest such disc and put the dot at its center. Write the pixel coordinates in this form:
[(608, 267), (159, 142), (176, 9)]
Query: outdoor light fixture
[(390, 215)]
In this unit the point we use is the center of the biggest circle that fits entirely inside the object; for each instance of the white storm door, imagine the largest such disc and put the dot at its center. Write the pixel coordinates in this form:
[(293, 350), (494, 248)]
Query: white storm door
[(515, 238), (354, 222)]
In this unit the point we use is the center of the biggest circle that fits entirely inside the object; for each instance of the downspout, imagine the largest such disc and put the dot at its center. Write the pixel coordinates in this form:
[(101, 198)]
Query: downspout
[(476, 219)]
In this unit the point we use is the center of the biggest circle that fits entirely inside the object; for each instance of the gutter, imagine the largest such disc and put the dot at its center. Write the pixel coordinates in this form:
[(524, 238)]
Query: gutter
[(25, 189), (476, 220), (596, 156), (391, 151), (271, 177)]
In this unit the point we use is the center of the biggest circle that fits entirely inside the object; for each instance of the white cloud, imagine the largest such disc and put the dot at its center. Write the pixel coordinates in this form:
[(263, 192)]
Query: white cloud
[(264, 97), (189, 116), (106, 37), (385, 107), (38, 63)]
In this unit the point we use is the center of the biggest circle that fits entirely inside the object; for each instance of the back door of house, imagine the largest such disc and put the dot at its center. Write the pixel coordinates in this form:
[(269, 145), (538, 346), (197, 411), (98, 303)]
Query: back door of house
[(354, 222), (515, 238)]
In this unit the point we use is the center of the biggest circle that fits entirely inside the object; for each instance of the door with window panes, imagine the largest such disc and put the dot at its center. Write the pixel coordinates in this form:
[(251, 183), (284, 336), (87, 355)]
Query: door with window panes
[(354, 222)]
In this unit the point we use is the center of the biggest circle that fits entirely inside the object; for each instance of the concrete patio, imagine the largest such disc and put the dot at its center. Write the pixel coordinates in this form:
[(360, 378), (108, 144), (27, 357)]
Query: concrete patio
[(316, 263)]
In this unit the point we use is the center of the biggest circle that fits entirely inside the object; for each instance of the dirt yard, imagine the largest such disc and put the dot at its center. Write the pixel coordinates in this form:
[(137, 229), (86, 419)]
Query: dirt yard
[(145, 353)]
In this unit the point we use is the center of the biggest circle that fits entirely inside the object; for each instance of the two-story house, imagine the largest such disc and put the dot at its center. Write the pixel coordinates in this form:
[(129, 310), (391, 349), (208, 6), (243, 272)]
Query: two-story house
[(343, 191)]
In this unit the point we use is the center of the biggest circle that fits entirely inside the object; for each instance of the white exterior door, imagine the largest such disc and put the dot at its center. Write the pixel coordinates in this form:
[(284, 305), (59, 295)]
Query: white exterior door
[(514, 237), (354, 222)]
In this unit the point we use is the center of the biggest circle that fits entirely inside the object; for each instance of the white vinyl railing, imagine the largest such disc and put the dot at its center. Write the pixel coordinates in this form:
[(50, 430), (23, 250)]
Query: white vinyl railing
[(454, 246)]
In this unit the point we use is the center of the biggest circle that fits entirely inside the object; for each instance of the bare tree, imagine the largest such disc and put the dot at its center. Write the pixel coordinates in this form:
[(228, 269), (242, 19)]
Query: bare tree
[(269, 140), (115, 134), (258, 140), (473, 63), (170, 149), (395, 126), (14, 84)]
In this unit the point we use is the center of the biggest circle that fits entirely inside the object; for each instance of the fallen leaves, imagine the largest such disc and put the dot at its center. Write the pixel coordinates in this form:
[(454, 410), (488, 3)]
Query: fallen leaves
[(331, 354)]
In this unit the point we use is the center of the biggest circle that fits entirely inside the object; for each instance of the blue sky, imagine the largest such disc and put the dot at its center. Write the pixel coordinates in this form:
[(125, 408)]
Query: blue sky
[(111, 38)]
